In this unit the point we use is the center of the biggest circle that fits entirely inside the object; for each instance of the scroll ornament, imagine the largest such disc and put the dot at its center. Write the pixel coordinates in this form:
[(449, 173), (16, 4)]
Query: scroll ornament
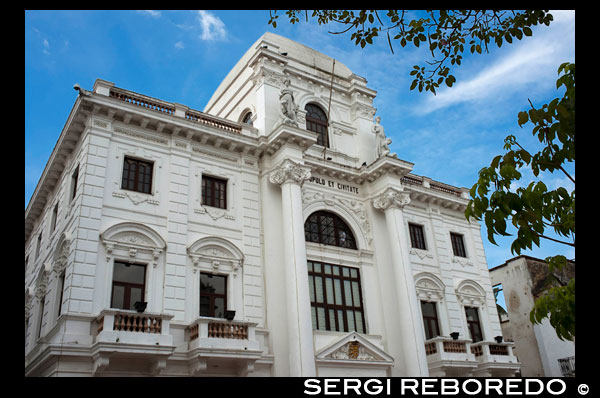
[(290, 172), (392, 197)]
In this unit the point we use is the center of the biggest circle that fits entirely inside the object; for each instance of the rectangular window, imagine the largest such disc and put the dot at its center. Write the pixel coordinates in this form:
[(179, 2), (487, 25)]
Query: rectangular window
[(54, 216), (335, 298), (458, 245), (137, 175), (129, 282), (39, 245), (430, 319), (61, 287), (417, 237), (39, 331), (214, 192), (74, 178), (473, 324), (213, 295)]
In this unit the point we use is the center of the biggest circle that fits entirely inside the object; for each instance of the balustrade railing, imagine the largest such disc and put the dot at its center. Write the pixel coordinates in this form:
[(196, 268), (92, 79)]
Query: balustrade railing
[(496, 349), (201, 118), (455, 346), (129, 326), (430, 348), (226, 330), (141, 101), (137, 323)]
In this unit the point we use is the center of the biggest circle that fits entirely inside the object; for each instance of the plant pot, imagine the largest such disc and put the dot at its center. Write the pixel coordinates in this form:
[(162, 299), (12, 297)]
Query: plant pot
[(140, 306)]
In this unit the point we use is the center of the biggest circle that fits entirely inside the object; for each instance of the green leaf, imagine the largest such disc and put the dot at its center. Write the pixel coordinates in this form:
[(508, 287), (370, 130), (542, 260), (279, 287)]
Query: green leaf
[(523, 118)]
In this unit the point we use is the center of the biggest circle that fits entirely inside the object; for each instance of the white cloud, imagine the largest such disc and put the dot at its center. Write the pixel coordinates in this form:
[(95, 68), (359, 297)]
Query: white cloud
[(46, 48), (152, 13), (212, 27), (179, 45), (532, 61)]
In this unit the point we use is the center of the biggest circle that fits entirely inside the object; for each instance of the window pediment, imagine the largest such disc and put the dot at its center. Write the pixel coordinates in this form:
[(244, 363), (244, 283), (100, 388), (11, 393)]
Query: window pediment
[(215, 253), (470, 292), (134, 238), (429, 287)]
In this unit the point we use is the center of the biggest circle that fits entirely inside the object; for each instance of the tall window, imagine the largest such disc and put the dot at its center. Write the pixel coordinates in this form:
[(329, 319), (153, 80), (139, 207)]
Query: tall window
[(474, 324), (129, 281), (39, 245), (329, 229), (335, 298), (61, 287), (430, 319), (39, 330), (137, 175), (316, 120), (458, 245), (213, 295), (74, 178), (54, 216), (417, 237), (214, 192)]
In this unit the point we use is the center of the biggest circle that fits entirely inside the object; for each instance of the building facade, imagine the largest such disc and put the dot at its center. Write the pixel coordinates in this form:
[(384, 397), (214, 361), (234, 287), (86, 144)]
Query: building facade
[(272, 234), (541, 353)]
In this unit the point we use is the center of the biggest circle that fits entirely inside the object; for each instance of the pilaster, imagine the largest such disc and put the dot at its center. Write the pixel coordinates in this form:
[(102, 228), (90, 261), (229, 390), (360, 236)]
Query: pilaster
[(391, 202), (290, 176)]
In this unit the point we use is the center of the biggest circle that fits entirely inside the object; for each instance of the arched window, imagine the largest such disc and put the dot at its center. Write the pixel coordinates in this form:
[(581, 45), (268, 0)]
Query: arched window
[(316, 120), (329, 229), (247, 118)]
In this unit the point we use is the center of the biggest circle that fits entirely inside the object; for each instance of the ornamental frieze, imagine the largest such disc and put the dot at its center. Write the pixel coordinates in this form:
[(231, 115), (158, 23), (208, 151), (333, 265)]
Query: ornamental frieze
[(290, 172)]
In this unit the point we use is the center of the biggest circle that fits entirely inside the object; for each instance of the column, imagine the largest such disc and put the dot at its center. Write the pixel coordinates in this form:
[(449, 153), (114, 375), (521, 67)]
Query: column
[(290, 177), (391, 202)]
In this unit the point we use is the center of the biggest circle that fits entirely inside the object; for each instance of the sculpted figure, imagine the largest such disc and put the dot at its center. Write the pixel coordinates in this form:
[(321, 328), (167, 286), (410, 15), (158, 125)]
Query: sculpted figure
[(288, 106), (383, 142)]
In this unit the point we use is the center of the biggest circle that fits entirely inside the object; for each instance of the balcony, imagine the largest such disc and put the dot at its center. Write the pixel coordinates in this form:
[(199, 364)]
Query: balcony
[(567, 366), (449, 357), (218, 343), (495, 359), (125, 334)]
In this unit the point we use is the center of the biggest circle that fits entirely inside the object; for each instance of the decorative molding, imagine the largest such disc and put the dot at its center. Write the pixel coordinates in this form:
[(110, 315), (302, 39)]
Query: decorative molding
[(215, 213), (61, 254), (289, 171), (215, 252), (421, 253), (353, 348), (463, 261), (429, 287), (391, 197), (135, 198), (215, 155), (135, 134), (352, 206), (134, 239), (470, 292)]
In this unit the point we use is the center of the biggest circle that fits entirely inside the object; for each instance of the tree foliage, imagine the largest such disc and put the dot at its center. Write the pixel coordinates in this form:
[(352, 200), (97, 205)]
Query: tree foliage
[(534, 209), (447, 33), (531, 210)]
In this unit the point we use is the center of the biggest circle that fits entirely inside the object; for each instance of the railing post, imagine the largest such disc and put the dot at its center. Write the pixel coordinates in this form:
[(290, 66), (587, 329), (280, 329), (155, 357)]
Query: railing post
[(180, 110)]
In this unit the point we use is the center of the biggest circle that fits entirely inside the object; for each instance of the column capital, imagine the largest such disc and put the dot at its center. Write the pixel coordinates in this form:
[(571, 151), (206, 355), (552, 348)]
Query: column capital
[(391, 197), (289, 171)]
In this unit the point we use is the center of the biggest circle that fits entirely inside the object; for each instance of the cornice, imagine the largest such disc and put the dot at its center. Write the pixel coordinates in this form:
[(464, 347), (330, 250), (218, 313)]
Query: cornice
[(66, 143), (197, 127)]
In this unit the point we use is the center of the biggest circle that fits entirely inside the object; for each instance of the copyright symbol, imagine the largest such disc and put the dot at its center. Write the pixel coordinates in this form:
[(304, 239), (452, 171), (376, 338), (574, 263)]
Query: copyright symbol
[(583, 389)]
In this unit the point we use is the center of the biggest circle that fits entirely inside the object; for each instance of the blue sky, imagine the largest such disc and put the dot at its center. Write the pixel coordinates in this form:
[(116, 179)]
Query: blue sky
[(182, 56)]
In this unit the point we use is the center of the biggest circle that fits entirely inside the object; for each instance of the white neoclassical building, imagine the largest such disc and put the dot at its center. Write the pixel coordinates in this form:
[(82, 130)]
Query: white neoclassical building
[(272, 234)]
